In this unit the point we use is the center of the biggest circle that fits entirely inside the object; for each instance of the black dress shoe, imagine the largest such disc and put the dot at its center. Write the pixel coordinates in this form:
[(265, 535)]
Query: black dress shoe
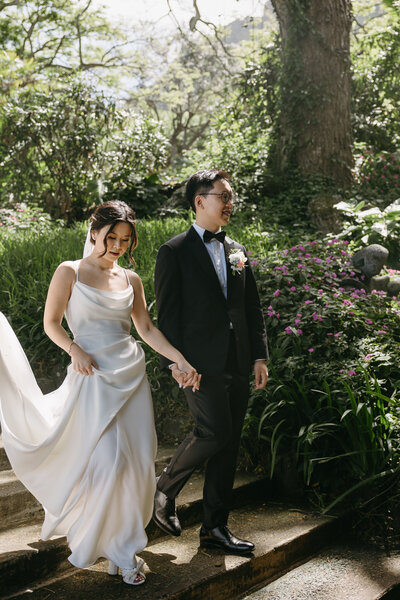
[(164, 514), (221, 537)]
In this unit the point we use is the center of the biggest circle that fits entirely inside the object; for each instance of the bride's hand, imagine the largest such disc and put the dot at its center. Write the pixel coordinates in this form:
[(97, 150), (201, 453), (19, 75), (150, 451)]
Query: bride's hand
[(186, 375), (82, 362)]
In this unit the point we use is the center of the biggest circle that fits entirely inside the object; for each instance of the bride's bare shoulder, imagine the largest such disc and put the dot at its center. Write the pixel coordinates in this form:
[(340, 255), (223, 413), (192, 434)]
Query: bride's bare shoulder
[(133, 277), (66, 270)]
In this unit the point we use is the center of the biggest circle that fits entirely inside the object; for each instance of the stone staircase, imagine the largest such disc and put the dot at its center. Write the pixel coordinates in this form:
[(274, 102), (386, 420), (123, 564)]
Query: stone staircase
[(292, 545)]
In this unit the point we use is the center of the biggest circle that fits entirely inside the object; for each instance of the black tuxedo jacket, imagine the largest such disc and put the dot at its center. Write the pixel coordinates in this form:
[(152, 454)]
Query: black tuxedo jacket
[(193, 312)]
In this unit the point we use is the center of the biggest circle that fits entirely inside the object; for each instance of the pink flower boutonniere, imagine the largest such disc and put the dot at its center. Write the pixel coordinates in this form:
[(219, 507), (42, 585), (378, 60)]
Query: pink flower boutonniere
[(237, 261)]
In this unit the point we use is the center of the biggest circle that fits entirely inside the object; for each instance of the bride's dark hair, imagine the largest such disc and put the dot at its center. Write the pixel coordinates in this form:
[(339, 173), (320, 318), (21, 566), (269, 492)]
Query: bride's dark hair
[(110, 213)]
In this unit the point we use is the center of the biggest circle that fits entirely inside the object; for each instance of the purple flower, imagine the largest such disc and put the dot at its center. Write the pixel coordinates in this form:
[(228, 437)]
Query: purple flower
[(293, 288), (306, 287), (271, 313), (278, 316), (276, 292), (254, 263), (351, 372), (336, 335), (288, 330), (368, 357), (297, 321), (300, 266), (368, 321), (311, 350), (308, 302)]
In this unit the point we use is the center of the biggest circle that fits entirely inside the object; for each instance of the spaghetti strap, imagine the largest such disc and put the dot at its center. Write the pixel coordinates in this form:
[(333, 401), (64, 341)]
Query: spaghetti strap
[(127, 278), (77, 263)]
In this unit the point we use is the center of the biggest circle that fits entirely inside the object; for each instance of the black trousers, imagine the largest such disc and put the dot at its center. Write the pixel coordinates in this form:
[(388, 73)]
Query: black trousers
[(218, 410)]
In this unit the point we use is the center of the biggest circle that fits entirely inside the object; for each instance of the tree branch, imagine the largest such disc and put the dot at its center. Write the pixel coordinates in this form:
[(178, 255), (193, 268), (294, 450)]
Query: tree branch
[(4, 5)]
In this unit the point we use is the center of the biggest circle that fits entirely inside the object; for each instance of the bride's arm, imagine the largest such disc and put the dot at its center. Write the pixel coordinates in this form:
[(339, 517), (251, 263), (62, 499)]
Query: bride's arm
[(56, 303), (153, 336)]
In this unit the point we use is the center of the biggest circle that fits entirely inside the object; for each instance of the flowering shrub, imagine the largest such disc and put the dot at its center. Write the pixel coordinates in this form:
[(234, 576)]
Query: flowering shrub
[(315, 323), (379, 173), (330, 347), (20, 217)]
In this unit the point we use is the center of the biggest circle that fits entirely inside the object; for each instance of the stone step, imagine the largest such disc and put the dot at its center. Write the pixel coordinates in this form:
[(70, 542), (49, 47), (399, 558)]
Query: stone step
[(4, 462), (18, 506), (177, 569), (344, 572), (24, 558)]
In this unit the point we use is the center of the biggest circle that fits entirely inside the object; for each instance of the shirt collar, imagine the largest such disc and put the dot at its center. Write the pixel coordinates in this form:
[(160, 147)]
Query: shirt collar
[(201, 230)]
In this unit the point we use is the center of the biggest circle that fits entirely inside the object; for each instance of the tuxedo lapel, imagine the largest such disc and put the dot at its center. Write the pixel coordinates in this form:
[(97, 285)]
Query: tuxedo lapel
[(203, 259)]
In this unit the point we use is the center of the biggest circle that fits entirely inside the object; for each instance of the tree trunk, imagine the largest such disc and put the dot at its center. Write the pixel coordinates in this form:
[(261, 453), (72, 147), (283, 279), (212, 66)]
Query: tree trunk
[(314, 129)]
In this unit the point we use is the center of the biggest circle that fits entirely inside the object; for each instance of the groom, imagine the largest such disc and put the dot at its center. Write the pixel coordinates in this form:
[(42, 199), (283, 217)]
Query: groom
[(208, 308)]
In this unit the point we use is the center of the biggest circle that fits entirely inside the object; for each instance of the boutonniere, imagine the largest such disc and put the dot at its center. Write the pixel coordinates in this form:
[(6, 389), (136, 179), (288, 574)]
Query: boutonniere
[(237, 260)]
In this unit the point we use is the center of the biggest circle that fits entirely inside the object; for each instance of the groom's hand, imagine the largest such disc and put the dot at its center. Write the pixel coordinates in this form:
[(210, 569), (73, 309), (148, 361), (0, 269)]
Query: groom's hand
[(260, 374), (186, 378)]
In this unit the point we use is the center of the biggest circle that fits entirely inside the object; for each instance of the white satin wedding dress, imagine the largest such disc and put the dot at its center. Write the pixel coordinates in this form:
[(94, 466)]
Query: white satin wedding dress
[(86, 451)]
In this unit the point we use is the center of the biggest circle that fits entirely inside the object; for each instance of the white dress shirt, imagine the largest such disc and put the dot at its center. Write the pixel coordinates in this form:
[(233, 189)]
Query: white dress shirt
[(217, 254)]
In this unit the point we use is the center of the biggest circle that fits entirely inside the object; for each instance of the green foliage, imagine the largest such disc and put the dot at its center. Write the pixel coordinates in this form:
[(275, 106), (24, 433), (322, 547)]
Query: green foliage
[(373, 226), (41, 37), (20, 217), (239, 134), (60, 150), (378, 174), (376, 86), (334, 376)]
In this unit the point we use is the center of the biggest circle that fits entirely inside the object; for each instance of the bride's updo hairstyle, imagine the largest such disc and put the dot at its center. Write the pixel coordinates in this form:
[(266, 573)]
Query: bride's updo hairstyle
[(110, 213)]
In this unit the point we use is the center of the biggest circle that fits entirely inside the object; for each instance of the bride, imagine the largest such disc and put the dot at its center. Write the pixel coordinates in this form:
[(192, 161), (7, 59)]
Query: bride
[(86, 451)]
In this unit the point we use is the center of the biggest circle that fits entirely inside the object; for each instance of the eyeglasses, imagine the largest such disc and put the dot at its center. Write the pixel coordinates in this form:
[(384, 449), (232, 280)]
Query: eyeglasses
[(226, 198)]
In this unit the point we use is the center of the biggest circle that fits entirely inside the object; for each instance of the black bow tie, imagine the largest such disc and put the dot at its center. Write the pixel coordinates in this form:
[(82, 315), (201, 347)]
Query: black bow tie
[(209, 235)]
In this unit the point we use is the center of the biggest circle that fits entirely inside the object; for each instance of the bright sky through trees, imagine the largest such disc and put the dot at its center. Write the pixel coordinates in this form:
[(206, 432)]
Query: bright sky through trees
[(220, 12)]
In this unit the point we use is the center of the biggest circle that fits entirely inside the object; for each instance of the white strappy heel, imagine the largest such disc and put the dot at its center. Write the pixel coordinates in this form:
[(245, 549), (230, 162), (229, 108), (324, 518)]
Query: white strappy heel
[(112, 568), (131, 576)]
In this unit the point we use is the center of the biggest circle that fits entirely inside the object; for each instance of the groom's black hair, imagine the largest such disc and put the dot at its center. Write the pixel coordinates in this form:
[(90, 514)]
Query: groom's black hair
[(202, 181)]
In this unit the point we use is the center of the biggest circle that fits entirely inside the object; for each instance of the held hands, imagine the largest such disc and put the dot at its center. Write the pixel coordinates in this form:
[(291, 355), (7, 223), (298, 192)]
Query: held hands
[(82, 362), (186, 375), (260, 374)]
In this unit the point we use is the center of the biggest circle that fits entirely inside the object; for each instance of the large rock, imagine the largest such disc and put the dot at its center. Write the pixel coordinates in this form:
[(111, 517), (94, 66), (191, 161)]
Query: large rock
[(370, 260), (393, 288), (379, 282)]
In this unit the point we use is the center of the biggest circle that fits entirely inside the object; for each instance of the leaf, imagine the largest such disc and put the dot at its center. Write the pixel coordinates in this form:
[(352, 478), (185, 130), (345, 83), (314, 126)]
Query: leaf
[(380, 228), (371, 213)]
